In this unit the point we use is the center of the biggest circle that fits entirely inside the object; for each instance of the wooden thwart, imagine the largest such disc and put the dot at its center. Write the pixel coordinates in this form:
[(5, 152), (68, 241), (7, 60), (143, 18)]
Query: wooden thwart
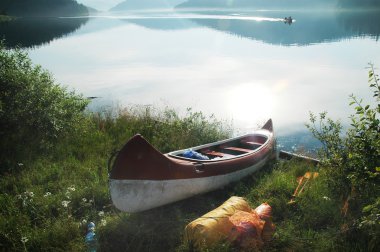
[(237, 149)]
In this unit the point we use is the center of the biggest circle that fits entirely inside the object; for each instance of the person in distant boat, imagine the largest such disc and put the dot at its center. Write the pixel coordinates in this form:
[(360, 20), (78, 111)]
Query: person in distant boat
[(288, 20)]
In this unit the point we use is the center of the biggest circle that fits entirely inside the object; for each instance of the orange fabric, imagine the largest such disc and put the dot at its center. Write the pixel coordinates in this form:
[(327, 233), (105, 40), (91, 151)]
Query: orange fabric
[(264, 211), (247, 230), (233, 221)]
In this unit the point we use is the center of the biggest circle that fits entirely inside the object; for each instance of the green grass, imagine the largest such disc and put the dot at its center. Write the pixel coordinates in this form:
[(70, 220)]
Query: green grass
[(49, 200), (4, 18)]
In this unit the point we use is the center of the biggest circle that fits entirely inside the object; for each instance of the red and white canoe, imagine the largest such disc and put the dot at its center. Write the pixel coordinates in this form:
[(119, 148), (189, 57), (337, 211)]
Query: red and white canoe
[(143, 178)]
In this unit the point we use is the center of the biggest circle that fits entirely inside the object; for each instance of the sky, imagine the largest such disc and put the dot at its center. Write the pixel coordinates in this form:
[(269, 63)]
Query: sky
[(102, 5)]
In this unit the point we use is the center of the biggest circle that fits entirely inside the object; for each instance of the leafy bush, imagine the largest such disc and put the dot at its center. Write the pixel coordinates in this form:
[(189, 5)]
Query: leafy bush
[(353, 164), (34, 111)]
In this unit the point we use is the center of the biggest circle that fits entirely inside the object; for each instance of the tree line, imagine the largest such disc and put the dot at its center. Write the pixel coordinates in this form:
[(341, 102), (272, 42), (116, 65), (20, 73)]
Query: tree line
[(30, 8)]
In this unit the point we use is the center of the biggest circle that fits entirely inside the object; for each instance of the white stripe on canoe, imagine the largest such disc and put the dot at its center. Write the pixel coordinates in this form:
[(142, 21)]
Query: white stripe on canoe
[(139, 195)]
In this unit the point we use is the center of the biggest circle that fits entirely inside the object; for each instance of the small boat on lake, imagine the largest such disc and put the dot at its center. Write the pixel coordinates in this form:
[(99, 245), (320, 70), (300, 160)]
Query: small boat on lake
[(142, 178), (288, 20)]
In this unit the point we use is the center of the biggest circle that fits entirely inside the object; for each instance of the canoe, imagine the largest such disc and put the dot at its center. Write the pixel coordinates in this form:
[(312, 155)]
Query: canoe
[(143, 178)]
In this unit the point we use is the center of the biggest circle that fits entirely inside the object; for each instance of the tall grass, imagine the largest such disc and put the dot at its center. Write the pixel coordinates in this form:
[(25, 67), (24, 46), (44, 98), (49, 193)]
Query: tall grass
[(48, 203), (51, 198)]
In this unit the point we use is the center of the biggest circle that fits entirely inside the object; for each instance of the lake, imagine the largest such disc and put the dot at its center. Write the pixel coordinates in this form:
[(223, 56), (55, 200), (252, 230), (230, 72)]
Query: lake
[(244, 66)]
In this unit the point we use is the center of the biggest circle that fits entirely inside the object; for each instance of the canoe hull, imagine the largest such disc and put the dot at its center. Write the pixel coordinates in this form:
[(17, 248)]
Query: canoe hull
[(139, 195), (143, 178)]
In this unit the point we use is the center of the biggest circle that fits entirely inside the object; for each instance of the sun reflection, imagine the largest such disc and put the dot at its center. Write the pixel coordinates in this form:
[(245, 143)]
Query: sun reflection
[(249, 104), (281, 86)]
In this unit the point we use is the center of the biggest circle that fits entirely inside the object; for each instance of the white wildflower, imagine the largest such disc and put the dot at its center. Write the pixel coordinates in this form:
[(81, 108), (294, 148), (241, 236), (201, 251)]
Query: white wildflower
[(68, 194), (71, 188), (101, 213), (30, 194), (103, 222), (24, 239), (326, 198), (47, 194), (20, 164), (84, 222), (84, 200), (65, 203), (19, 196)]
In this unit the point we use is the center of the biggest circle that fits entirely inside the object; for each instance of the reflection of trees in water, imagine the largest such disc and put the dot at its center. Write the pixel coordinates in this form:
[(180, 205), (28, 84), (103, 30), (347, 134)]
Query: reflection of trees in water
[(309, 28), (30, 32), (361, 23)]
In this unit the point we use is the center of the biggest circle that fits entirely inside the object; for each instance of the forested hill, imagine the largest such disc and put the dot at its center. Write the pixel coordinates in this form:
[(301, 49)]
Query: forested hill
[(279, 4), (42, 8)]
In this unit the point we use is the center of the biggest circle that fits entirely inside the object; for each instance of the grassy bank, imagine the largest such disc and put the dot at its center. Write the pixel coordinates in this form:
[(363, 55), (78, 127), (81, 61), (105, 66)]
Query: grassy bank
[(50, 198), (4, 18), (54, 178)]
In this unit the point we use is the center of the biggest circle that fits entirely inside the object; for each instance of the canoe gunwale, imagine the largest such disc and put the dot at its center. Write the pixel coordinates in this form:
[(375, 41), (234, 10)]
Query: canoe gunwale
[(139, 160), (262, 133)]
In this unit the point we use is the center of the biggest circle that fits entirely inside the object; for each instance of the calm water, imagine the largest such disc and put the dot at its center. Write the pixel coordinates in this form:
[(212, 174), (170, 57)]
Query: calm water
[(241, 66)]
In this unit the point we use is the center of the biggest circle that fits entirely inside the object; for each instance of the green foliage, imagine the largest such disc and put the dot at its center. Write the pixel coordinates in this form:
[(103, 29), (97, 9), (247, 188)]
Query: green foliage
[(34, 111), (353, 163), (4, 18), (165, 129)]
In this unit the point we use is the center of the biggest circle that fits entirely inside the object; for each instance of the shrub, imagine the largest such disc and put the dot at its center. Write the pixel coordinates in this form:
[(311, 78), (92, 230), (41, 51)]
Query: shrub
[(353, 164), (35, 112)]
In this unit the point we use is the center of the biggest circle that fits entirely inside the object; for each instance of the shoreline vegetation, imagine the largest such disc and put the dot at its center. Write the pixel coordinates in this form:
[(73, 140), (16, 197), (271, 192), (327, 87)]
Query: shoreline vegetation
[(5, 18), (54, 181)]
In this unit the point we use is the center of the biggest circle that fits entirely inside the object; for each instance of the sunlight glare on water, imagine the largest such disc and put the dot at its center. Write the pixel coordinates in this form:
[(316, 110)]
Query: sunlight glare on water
[(249, 103)]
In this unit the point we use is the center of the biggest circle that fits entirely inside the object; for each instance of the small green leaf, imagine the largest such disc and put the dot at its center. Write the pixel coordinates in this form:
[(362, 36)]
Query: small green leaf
[(367, 209)]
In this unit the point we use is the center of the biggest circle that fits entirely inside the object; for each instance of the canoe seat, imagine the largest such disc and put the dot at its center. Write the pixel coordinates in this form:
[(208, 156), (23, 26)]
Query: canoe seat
[(238, 149), (254, 143), (213, 153)]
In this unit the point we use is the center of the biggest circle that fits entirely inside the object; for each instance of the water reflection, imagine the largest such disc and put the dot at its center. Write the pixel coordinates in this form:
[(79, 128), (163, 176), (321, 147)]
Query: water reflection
[(268, 27), (361, 23), (31, 32), (310, 28), (191, 60)]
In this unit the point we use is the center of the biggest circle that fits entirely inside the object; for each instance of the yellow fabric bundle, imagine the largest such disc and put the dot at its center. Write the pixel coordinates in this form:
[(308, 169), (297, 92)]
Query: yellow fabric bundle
[(215, 225)]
